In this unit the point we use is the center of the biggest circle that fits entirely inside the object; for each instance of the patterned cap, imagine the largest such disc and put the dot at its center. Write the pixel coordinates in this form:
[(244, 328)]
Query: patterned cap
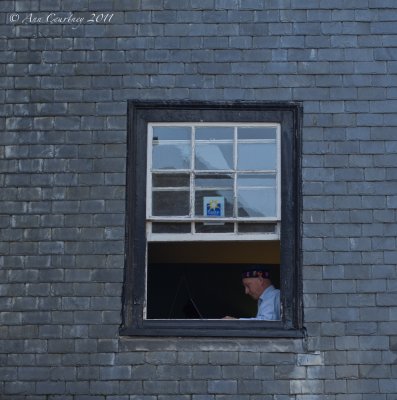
[(256, 271)]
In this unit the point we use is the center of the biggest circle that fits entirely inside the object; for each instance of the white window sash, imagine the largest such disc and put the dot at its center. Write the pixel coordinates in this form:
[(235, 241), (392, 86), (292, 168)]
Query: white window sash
[(192, 171)]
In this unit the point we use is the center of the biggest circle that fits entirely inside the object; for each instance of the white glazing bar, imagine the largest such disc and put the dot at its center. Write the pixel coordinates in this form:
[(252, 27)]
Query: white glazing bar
[(213, 237), (170, 189), (149, 172), (217, 219), (192, 178)]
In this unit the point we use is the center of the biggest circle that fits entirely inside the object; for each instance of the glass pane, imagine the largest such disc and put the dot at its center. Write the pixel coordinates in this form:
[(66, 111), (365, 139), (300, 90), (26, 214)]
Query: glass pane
[(171, 180), (214, 228), (213, 180), (256, 228), (256, 203), (166, 227), (214, 132), (171, 156), (257, 133), (169, 203), (171, 133), (256, 156), (214, 156), (227, 196), (267, 180)]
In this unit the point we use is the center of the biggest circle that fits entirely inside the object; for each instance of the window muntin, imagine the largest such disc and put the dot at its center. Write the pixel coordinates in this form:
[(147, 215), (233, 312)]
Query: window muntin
[(235, 164)]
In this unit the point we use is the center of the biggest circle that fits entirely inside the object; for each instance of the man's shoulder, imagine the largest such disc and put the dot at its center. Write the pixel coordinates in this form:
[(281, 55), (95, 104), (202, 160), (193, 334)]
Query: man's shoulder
[(271, 291)]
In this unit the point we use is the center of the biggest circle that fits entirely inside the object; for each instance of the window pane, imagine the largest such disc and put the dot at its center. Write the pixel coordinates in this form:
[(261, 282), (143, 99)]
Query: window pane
[(214, 228), (214, 132), (171, 133), (227, 196), (256, 203), (257, 133), (214, 156), (256, 227), (214, 181), (267, 180), (171, 180), (171, 156), (256, 156), (166, 227), (169, 203)]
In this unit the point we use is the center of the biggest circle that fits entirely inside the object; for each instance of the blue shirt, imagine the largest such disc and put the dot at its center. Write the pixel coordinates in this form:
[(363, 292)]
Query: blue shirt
[(268, 305)]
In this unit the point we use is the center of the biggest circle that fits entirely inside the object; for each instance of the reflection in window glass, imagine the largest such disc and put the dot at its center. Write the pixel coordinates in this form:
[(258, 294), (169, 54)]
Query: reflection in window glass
[(256, 156), (197, 167), (267, 180), (214, 156), (169, 203), (257, 133), (256, 202), (214, 181), (214, 132), (171, 156)]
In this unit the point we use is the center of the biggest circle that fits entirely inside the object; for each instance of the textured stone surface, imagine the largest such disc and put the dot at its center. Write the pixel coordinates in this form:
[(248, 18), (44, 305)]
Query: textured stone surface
[(63, 123)]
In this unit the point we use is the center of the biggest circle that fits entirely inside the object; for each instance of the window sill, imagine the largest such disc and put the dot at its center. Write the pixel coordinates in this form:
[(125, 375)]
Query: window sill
[(213, 328)]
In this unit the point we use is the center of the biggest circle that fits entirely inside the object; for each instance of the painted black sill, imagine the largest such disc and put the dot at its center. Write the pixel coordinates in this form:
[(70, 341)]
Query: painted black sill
[(212, 328)]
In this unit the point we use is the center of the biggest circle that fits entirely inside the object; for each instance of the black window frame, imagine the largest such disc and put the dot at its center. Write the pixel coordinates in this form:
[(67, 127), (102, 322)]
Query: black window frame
[(140, 114)]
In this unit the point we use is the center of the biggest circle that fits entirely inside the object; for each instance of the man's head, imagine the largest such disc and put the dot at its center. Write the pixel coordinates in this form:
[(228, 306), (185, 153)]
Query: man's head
[(256, 279)]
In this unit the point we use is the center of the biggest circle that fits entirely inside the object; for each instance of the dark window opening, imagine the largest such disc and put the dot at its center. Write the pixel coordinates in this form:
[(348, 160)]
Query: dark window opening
[(202, 280)]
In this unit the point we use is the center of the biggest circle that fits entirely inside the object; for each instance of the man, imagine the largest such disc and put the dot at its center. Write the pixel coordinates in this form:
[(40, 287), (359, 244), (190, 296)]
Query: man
[(258, 285)]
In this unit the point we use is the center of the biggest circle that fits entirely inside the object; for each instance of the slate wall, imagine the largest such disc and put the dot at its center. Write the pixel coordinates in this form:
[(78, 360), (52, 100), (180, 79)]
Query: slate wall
[(64, 87)]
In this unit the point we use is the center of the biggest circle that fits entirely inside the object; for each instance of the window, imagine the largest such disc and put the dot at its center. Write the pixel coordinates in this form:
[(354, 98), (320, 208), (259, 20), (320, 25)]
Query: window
[(211, 188), (211, 181)]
